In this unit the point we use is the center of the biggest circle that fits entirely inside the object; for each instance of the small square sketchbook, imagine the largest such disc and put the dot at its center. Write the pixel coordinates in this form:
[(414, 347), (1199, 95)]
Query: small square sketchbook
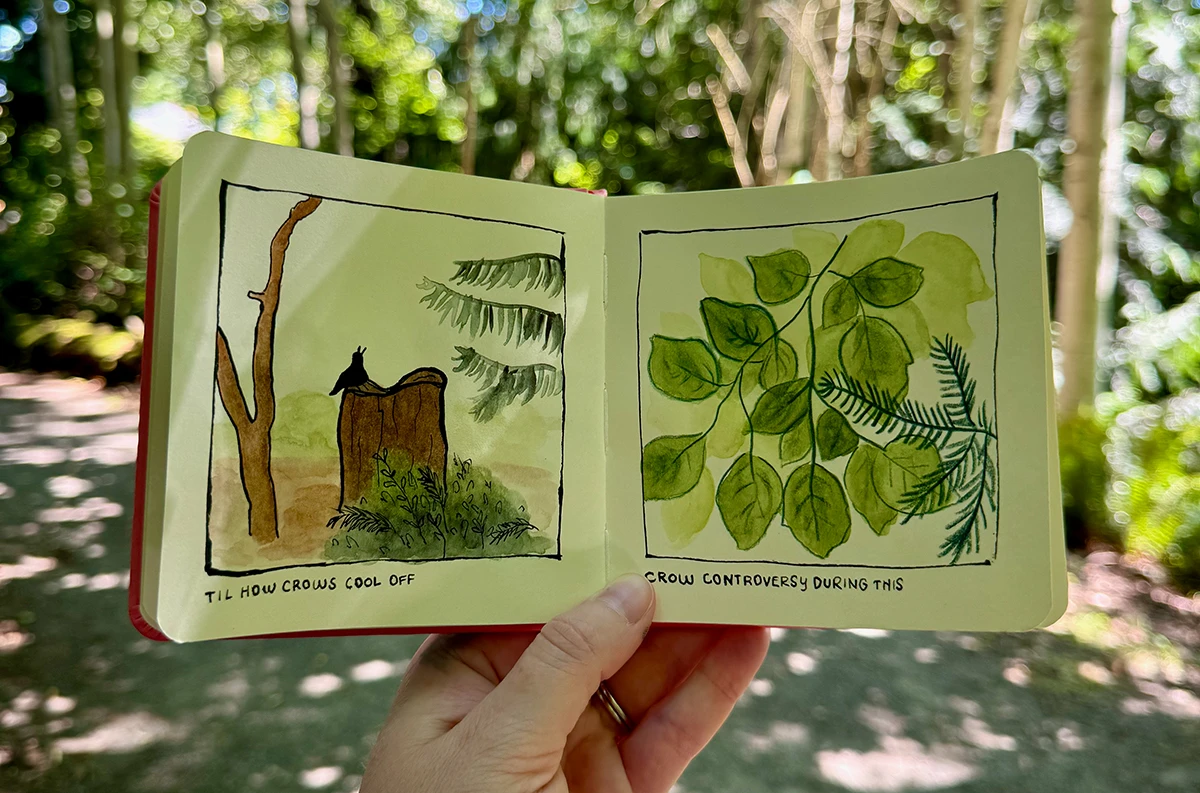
[(383, 399)]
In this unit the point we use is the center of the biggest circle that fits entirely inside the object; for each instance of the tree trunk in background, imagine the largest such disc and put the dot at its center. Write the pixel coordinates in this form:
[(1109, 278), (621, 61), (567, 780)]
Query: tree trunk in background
[(773, 120), (1080, 252), (214, 59), (835, 121), (794, 141), (126, 67), (114, 127), (1004, 134), (471, 116), (402, 427), (1112, 199), (307, 94), (962, 80), (339, 79), (1004, 73), (254, 433), (66, 105)]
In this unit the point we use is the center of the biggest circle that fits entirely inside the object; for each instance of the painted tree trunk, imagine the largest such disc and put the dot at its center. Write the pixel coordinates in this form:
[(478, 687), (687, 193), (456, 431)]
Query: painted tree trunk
[(254, 434), (401, 427)]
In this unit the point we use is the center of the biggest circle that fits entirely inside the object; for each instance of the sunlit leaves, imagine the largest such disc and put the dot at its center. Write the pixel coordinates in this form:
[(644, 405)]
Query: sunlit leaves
[(814, 508), (779, 276), (737, 330)]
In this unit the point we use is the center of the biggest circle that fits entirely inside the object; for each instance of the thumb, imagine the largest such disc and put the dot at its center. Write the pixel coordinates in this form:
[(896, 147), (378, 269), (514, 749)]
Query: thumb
[(554, 679)]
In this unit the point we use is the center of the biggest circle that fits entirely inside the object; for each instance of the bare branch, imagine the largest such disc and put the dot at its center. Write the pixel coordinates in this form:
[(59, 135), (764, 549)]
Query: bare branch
[(739, 78), (737, 146)]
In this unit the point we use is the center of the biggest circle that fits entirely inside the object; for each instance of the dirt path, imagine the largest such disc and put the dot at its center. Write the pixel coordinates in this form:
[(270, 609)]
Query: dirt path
[(1106, 700)]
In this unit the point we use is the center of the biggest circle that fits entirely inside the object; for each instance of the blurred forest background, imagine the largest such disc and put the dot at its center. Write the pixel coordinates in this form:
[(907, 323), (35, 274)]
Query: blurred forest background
[(97, 98)]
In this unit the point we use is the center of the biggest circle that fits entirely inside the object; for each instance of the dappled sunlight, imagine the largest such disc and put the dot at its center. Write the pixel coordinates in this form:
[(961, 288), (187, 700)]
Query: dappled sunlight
[(862, 710), (898, 764), (122, 734)]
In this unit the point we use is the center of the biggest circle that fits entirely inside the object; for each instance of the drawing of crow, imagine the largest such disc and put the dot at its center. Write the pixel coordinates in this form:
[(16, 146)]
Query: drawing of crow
[(355, 374)]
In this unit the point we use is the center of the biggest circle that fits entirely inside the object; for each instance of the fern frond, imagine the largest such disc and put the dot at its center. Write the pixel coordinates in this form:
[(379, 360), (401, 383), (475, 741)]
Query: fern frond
[(541, 271), (477, 316), (867, 404), (503, 384), (509, 530), (355, 518), (958, 388)]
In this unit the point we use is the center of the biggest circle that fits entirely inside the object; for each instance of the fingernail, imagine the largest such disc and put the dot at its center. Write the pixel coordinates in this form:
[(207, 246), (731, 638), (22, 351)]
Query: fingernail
[(630, 595)]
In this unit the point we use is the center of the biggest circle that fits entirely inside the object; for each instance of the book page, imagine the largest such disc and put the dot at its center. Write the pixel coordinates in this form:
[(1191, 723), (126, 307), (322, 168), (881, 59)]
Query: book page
[(832, 401), (369, 397)]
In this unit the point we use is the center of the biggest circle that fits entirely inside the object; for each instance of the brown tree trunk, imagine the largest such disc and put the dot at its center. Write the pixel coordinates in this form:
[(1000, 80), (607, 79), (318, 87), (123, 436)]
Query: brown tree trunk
[(402, 427), (254, 433)]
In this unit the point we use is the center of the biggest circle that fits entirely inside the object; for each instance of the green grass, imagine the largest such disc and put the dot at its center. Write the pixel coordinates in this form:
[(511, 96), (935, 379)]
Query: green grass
[(414, 515)]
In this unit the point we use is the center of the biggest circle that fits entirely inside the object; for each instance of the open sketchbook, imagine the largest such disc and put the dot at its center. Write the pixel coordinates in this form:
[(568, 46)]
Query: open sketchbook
[(379, 398)]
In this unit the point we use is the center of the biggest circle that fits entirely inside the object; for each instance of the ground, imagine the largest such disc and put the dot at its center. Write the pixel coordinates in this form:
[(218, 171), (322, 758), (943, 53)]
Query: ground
[(1106, 700)]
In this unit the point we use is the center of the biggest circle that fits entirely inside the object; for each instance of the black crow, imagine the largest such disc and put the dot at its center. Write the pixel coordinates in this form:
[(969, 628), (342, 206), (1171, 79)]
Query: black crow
[(355, 374)]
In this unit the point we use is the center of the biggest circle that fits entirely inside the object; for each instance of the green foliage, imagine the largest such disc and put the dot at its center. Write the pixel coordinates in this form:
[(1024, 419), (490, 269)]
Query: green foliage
[(938, 456), (779, 276), (738, 331), (835, 437), (503, 384), (814, 508), (537, 271), (671, 465), (413, 515), (749, 499), (684, 369), (517, 323)]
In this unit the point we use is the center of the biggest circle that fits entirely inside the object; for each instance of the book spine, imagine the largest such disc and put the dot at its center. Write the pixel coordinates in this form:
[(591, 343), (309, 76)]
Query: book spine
[(139, 493)]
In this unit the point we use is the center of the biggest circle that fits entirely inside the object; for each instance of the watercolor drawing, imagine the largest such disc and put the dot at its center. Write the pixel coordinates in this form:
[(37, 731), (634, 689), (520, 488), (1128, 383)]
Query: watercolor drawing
[(840, 383), (315, 459)]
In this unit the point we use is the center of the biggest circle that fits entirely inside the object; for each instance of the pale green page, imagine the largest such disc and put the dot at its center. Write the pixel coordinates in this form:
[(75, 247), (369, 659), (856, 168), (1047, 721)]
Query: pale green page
[(900, 478), (447, 439)]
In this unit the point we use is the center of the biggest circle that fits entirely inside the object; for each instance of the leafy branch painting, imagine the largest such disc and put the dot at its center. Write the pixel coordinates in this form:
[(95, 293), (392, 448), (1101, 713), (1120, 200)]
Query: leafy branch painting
[(517, 324), (811, 368)]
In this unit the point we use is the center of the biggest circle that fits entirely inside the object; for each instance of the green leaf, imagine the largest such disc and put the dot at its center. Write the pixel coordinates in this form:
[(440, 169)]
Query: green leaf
[(779, 408), (814, 508), (749, 498), (737, 330), (726, 279), (953, 280), (872, 351), (684, 369), (868, 242), (685, 517), (840, 304), (817, 245), (901, 466), (779, 276), (779, 366), (796, 443), (671, 466), (728, 434), (834, 435), (887, 282), (860, 486)]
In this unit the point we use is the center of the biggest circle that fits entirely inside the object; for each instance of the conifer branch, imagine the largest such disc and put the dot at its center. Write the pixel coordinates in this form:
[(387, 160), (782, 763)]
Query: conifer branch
[(541, 271), (477, 316), (502, 384)]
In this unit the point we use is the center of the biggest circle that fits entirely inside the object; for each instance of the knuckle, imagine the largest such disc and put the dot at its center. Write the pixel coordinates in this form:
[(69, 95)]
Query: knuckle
[(566, 645)]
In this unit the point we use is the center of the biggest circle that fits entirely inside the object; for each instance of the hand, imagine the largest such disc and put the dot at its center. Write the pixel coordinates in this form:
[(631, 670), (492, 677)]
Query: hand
[(510, 712)]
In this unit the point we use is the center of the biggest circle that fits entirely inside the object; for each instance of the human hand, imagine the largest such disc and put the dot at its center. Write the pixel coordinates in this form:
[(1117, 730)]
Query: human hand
[(509, 712)]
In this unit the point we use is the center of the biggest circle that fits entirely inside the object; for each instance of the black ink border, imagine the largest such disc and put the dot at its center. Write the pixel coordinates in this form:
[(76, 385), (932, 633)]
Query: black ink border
[(209, 568), (994, 198)]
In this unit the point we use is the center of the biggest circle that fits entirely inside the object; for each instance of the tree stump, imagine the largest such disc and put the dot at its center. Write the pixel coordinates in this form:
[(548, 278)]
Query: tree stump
[(406, 422)]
